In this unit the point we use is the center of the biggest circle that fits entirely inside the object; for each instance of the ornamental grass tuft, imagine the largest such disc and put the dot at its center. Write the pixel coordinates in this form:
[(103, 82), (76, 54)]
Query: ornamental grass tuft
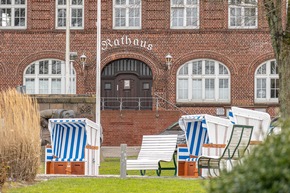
[(20, 137)]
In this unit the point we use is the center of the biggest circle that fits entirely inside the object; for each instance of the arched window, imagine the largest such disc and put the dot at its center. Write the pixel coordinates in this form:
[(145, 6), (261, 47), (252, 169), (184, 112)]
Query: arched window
[(203, 80), (47, 76), (267, 82)]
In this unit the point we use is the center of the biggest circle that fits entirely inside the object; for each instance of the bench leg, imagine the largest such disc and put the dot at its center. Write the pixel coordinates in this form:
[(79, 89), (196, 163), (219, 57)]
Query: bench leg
[(142, 172), (158, 172)]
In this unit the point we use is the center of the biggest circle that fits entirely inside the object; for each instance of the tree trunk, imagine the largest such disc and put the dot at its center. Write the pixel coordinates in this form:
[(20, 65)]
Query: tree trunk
[(284, 79), (280, 37)]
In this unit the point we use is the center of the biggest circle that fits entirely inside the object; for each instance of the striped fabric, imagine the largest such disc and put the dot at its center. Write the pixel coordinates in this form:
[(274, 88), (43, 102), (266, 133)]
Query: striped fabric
[(182, 154), (48, 154), (191, 159), (196, 135), (68, 140), (195, 132)]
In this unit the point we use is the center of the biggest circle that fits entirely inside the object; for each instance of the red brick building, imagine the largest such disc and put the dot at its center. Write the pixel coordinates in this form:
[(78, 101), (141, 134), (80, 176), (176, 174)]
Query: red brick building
[(221, 57)]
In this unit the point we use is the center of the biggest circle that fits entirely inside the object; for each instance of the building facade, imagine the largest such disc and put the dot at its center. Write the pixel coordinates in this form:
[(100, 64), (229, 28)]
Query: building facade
[(221, 54)]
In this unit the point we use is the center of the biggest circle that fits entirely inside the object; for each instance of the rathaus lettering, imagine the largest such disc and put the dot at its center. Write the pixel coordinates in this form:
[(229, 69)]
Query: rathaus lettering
[(125, 40)]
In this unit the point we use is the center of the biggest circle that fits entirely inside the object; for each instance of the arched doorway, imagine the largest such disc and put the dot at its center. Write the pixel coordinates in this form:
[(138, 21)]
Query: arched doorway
[(126, 84)]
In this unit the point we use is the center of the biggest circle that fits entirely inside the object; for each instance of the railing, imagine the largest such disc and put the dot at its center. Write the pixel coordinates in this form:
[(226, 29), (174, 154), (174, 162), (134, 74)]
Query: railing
[(138, 103), (162, 102), (121, 103)]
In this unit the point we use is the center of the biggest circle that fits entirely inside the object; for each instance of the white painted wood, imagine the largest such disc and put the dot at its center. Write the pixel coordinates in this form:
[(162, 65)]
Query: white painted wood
[(154, 148)]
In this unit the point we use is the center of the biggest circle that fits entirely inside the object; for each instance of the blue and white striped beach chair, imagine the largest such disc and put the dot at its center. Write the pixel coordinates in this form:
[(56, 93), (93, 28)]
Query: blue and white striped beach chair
[(205, 134), (196, 136), (75, 140), (195, 132)]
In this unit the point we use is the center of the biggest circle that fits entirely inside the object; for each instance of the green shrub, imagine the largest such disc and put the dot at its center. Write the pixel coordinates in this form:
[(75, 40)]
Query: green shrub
[(265, 170)]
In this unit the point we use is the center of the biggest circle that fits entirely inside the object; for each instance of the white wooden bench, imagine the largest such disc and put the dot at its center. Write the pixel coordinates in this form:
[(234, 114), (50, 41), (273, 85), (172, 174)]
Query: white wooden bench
[(154, 149)]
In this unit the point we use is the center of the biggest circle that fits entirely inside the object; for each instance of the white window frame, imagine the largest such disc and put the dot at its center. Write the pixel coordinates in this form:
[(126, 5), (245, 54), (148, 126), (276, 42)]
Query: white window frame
[(203, 76), (14, 6), (37, 76), (57, 7), (184, 6), (126, 6), (268, 76), (243, 5)]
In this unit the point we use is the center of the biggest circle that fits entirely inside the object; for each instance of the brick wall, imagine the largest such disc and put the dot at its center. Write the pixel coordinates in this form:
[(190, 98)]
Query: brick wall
[(128, 127), (242, 51)]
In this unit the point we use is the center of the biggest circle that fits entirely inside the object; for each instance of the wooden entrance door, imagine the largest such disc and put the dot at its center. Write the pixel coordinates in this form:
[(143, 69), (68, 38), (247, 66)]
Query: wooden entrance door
[(126, 84)]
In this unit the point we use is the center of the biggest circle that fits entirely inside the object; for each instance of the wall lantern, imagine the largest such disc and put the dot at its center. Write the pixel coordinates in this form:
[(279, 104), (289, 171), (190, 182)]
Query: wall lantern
[(83, 60), (168, 59)]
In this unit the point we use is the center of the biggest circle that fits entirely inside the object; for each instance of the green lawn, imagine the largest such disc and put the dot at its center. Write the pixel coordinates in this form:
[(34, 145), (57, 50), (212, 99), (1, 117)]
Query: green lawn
[(115, 184)]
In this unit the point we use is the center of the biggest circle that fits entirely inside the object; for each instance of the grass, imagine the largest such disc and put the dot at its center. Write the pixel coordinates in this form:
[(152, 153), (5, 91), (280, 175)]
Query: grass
[(111, 166), (113, 185)]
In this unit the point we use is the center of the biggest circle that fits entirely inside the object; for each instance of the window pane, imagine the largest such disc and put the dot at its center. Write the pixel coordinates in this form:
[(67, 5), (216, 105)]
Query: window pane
[(274, 88), (146, 86), (134, 16), (262, 69), (197, 89), (43, 67), (209, 88), (56, 86), (134, 2), (182, 89), (61, 2), (222, 69), (22, 2), (197, 67), (120, 18), (191, 2), (250, 16), (127, 13), (274, 67), (5, 2), (120, 2), (177, 16), (76, 18), (19, 17), (30, 69), (43, 86), (5, 17), (61, 18), (223, 89), (191, 17), (209, 67), (184, 70), (261, 88), (177, 2), (56, 67), (77, 2), (30, 85)]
